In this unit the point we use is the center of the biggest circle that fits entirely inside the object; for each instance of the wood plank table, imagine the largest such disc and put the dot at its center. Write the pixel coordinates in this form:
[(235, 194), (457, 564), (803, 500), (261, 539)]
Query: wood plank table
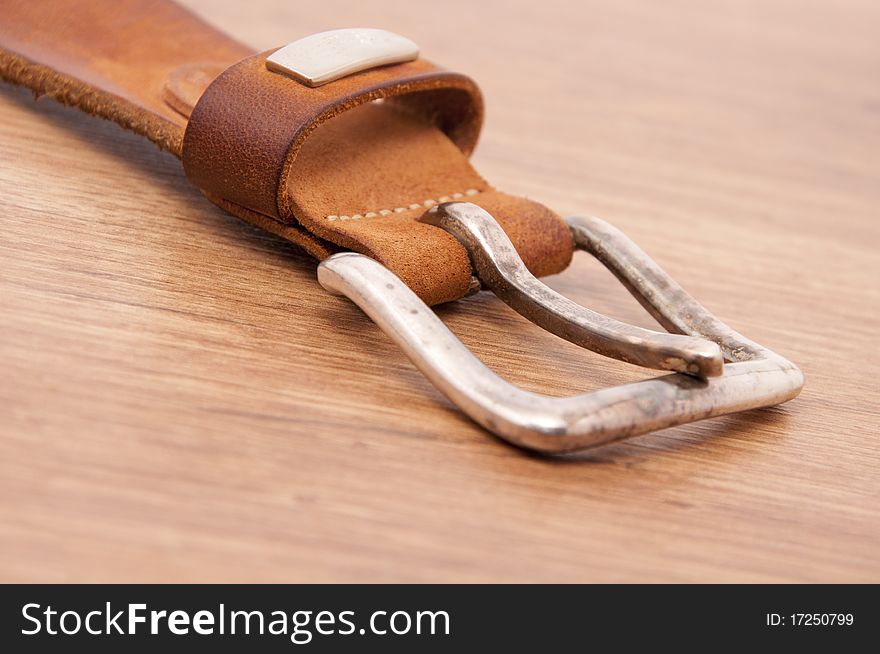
[(180, 401)]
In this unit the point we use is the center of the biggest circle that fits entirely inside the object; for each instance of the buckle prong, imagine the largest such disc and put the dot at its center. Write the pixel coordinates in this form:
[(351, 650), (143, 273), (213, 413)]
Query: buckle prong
[(499, 267), (754, 377)]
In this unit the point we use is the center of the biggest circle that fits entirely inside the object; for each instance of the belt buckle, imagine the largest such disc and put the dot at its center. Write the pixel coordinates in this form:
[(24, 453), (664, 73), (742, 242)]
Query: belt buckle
[(716, 370)]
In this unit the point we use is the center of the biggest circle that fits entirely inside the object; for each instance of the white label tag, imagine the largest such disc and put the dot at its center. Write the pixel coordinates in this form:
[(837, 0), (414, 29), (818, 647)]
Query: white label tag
[(328, 56)]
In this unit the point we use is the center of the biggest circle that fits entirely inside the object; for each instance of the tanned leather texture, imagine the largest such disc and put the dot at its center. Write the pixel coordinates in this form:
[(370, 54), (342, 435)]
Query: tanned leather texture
[(111, 58), (349, 165)]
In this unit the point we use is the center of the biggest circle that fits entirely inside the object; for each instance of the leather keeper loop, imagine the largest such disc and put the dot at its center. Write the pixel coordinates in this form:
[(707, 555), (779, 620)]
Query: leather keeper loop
[(247, 128)]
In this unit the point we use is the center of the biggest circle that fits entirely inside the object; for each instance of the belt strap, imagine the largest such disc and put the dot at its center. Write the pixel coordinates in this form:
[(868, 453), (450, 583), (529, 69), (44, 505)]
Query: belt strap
[(327, 168)]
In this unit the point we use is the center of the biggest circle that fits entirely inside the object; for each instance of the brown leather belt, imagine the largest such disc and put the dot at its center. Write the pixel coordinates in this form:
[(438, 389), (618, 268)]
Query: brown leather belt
[(264, 148), (374, 161)]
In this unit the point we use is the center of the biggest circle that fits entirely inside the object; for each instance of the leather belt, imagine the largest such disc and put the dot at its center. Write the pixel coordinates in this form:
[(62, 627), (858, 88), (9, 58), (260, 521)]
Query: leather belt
[(264, 147), (350, 145)]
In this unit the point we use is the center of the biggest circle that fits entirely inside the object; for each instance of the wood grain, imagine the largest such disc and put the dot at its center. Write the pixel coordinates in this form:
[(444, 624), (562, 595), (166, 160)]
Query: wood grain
[(182, 402)]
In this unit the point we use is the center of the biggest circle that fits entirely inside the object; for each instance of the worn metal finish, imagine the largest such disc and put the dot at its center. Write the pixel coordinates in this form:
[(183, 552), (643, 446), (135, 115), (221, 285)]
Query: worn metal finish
[(499, 268), (656, 291), (756, 377)]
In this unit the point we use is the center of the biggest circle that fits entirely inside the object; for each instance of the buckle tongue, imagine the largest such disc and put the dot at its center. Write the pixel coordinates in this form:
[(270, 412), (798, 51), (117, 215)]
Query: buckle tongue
[(499, 267)]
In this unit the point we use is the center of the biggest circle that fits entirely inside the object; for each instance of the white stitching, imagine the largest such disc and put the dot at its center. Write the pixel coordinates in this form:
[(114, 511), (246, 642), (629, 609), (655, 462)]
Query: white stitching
[(427, 204)]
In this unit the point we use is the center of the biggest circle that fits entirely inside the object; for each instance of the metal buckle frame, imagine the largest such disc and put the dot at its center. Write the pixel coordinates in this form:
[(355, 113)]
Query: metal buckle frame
[(718, 371)]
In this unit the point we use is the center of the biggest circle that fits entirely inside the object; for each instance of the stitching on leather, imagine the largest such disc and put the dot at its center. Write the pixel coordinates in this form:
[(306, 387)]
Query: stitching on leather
[(427, 204)]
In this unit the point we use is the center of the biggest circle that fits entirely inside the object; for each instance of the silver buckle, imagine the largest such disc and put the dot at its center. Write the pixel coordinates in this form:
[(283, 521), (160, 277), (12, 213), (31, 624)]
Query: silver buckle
[(718, 371)]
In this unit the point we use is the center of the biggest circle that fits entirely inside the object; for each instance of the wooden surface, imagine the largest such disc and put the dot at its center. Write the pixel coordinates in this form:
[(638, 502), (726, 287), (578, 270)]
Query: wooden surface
[(182, 402)]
